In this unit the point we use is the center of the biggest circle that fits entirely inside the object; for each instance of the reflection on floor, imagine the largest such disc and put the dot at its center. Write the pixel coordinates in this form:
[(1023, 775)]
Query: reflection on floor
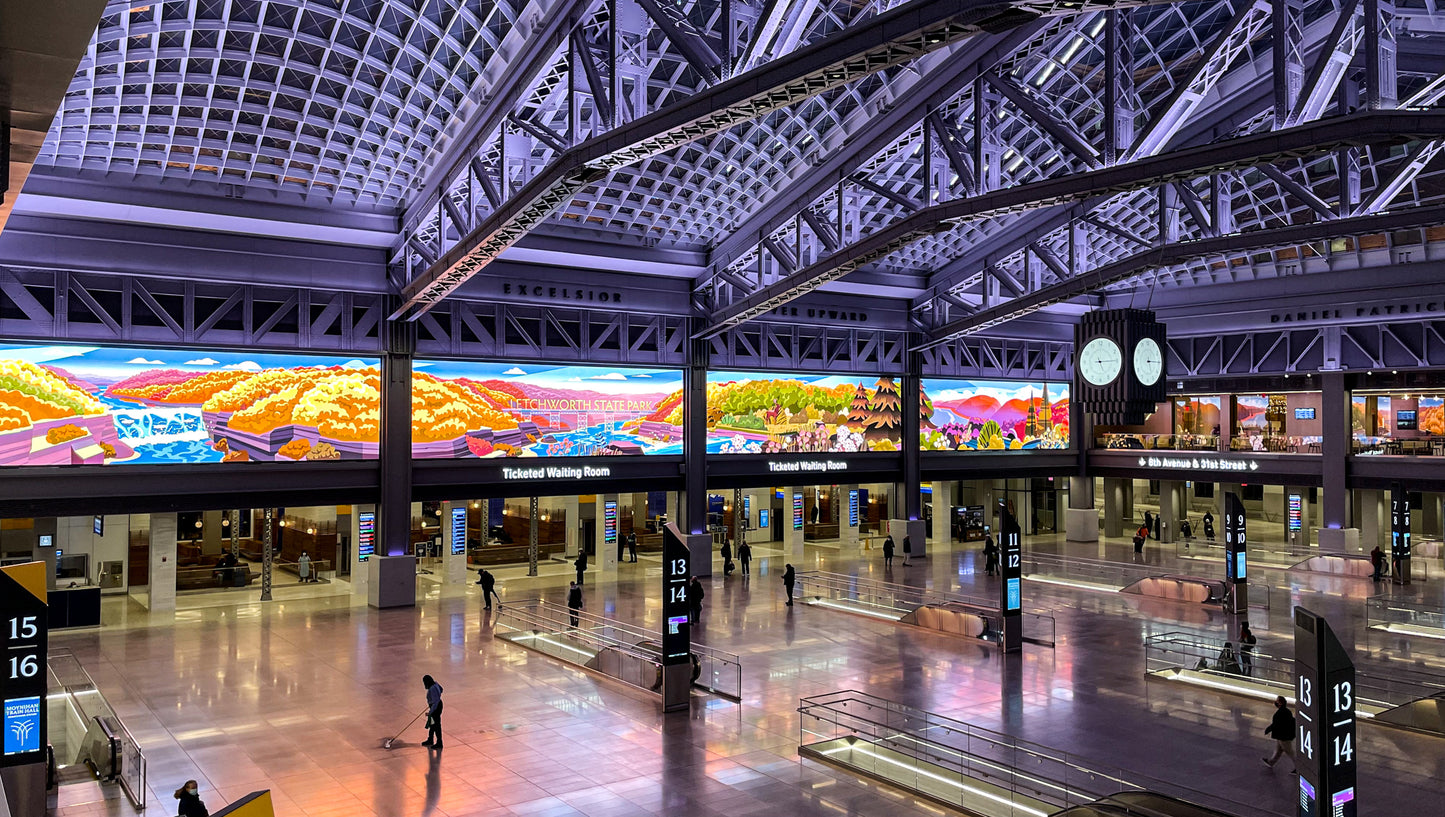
[(297, 694)]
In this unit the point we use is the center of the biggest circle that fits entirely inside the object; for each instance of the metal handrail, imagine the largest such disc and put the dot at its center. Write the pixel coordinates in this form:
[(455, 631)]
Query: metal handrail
[(1410, 617), (888, 595)]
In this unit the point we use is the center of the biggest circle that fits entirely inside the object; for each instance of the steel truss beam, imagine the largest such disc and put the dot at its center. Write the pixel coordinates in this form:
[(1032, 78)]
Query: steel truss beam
[(1169, 254), (516, 332), (1400, 344), (1247, 151), (892, 38), (793, 347), (103, 308), (995, 357)]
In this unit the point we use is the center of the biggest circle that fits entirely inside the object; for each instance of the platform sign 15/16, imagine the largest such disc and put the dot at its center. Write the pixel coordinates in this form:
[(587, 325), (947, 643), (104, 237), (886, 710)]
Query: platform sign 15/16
[(853, 508), (798, 511), (459, 530), (1325, 747), (24, 626), (676, 574), (365, 535)]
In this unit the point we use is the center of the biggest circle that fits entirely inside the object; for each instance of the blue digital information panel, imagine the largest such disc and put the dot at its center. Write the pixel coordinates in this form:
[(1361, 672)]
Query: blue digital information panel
[(853, 508), (22, 725), (459, 530), (609, 523), (763, 518), (798, 511), (1239, 567), (365, 535), (747, 510), (1014, 594)]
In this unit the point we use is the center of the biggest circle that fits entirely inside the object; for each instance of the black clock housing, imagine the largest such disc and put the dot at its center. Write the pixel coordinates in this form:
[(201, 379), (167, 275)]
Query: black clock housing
[(1126, 400)]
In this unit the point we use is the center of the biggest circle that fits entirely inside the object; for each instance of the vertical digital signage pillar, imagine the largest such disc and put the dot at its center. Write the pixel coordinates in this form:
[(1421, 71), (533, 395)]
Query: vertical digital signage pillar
[(1011, 599), (1325, 746), (24, 626), (1236, 573), (676, 632), (1399, 534)]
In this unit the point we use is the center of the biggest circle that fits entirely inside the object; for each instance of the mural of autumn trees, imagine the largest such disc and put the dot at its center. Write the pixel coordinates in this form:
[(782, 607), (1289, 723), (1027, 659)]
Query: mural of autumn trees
[(756, 413)]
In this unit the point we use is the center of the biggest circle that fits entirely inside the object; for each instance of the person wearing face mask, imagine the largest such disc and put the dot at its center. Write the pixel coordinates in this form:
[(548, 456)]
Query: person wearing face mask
[(191, 805)]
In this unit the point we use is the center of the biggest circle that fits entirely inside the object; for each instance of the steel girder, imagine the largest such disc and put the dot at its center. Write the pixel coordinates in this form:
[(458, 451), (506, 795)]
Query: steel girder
[(99, 308), (1231, 154), (1005, 359), (1385, 346), (515, 332), (795, 347), (892, 38)]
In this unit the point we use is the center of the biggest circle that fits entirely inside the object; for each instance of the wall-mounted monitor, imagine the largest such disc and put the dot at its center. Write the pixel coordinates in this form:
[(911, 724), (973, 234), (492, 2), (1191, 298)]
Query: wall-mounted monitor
[(1304, 413), (1405, 419)]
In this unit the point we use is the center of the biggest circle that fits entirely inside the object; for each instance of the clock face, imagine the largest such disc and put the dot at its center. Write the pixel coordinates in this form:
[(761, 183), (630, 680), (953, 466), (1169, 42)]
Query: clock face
[(1148, 362), (1100, 361)]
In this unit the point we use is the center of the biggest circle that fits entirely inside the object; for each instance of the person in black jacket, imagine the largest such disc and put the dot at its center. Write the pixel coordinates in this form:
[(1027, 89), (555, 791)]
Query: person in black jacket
[(574, 601), (788, 579), (1282, 729), (581, 563), (1209, 526), (433, 712), (190, 805), (1246, 648), (990, 555), (727, 557), (694, 601), (489, 587), (888, 551), (632, 546), (907, 549), (745, 555)]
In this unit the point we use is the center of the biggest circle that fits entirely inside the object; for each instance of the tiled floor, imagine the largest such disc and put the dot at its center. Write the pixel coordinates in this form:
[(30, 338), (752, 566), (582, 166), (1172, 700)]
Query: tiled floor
[(297, 696)]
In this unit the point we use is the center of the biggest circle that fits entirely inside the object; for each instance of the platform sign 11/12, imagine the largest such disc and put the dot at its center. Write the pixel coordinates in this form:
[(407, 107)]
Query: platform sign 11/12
[(1325, 747), (798, 511), (853, 508), (1011, 552), (459, 530), (25, 628), (365, 535)]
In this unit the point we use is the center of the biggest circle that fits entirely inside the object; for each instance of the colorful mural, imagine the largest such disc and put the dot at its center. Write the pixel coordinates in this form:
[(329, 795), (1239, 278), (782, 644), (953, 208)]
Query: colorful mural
[(463, 409), (86, 405), (991, 415), (763, 413)]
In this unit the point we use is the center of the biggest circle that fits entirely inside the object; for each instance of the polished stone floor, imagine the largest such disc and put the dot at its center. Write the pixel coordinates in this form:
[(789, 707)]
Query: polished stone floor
[(297, 696)]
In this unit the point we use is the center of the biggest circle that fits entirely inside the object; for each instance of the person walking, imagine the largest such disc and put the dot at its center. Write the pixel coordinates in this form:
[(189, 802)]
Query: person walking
[(888, 551), (907, 549), (489, 587), (574, 601), (632, 547), (727, 557), (1246, 648), (303, 567), (581, 563), (1208, 526), (694, 601), (1377, 561), (1282, 729), (745, 555), (433, 712), (990, 555), (1148, 524), (789, 578), (190, 805)]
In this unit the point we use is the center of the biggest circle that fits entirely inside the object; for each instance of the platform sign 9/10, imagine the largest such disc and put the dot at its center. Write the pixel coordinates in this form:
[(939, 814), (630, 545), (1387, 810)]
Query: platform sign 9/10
[(24, 627)]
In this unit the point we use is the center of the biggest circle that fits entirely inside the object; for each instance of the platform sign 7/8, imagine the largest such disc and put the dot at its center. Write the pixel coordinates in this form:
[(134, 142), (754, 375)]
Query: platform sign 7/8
[(25, 630)]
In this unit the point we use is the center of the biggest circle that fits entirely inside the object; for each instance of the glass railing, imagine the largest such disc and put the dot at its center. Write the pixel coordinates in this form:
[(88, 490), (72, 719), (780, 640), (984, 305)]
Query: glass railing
[(966, 767), (1114, 577), (1387, 447), (898, 601), (1405, 617), (84, 729), (622, 651)]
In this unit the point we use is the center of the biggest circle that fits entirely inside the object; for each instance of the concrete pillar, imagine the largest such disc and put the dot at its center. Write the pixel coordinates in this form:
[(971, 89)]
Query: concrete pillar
[(1374, 519), (454, 565), (848, 534), (211, 532), (1429, 516), (360, 574), (639, 513), (672, 497), (942, 516), (162, 563), (792, 535), (1116, 506), (1081, 519), (574, 525), (1168, 509), (607, 552)]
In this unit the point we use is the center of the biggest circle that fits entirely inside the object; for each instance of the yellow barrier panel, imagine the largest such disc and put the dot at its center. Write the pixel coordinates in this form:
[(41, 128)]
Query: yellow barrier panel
[(255, 804)]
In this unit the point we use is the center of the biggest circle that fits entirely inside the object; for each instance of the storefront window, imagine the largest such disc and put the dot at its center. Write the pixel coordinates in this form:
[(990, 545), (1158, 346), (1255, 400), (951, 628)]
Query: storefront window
[(1398, 424), (1287, 423)]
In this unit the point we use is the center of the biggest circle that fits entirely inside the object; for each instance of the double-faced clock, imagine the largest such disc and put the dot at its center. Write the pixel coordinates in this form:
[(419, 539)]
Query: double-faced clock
[(1120, 363)]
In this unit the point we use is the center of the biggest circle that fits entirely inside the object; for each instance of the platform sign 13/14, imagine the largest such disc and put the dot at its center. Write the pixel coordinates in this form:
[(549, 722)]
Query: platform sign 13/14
[(676, 575), (1325, 747), (22, 679)]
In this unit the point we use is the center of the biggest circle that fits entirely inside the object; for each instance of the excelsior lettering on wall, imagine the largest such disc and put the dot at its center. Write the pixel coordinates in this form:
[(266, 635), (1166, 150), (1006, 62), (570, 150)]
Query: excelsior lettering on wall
[(556, 472), (1199, 463), (807, 465), (555, 293)]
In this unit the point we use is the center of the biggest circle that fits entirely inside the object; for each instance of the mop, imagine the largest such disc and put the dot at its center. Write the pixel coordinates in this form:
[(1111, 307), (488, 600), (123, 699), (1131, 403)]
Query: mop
[(386, 744)]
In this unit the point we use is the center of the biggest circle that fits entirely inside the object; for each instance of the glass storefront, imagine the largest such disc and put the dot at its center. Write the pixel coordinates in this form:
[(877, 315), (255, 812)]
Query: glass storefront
[(1276, 423), (1398, 424)]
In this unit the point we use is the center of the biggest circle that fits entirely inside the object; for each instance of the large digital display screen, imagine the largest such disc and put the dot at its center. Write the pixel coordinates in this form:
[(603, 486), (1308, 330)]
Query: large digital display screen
[(763, 518), (853, 508), (365, 535), (90, 405), (459, 530), (762, 413), (1405, 419), (992, 415), (466, 409)]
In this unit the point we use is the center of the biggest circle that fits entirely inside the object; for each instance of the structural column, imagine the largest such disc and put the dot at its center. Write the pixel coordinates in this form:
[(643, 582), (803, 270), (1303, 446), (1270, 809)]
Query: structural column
[(1373, 518), (848, 533), (268, 531), (1338, 530), (532, 519), (1170, 505), (607, 551), (454, 542), (363, 524), (393, 572), (694, 419), (792, 527), (570, 509), (1081, 520), (1116, 505), (910, 510), (942, 516), (162, 577)]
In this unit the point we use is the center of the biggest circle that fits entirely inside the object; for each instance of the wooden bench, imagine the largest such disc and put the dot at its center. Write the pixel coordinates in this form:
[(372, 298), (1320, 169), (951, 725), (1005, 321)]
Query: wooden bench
[(510, 554)]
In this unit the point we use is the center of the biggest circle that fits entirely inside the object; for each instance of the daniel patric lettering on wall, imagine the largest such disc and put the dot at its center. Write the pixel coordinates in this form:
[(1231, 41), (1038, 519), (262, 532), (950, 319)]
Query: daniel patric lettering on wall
[(556, 293), (1377, 311)]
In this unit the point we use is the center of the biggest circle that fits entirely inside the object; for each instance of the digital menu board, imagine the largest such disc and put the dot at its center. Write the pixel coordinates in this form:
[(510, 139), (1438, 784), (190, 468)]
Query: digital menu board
[(98, 526), (365, 535), (853, 508), (1304, 414), (798, 511), (1405, 419), (24, 626), (459, 530), (1296, 511)]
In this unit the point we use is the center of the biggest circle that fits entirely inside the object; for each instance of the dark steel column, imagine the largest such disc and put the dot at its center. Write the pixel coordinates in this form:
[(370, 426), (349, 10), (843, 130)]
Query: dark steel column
[(1334, 450), (395, 455), (266, 554), (909, 399), (693, 509), (532, 538)]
